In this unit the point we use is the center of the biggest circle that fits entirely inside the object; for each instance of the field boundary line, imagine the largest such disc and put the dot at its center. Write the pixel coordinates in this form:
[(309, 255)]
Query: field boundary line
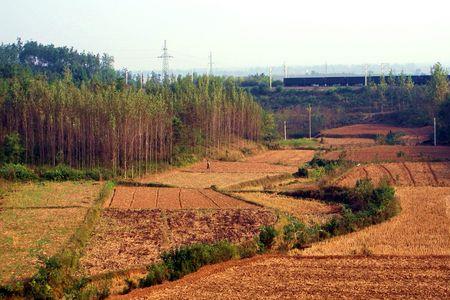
[(132, 197), (43, 207), (157, 198), (409, 173), (389, 173), (112, 197), (229, 194), (432, 173), (179, 198), (260, 181), (211, 199)]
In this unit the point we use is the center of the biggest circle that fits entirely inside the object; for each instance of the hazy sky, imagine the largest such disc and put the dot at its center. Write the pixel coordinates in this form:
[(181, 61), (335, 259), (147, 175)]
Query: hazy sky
[(239, 33)]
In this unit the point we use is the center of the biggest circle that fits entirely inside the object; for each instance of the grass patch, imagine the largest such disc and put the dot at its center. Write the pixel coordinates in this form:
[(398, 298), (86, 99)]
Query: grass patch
[(301, 143)]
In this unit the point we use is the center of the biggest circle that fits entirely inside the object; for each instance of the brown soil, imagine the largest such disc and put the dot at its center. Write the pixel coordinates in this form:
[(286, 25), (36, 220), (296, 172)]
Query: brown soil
[(125, 239), (240, 167), (281, 277), (383, 153), (172, 198), (400, 174), (338, 142), (293, 158), (412, 135)]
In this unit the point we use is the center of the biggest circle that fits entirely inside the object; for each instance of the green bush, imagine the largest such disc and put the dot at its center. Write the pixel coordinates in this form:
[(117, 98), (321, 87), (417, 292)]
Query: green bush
[(19, 172), (248, 249), (188, 259), (157, 274), (302, 172), (267, 237), (62, 173)]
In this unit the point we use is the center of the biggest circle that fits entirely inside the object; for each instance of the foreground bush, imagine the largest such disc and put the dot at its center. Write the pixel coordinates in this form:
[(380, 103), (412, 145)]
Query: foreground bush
[(17, 172)]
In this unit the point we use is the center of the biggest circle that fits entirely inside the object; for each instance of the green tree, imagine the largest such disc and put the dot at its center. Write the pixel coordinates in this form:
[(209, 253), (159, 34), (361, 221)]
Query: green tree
[(12, 149), (437, 88)]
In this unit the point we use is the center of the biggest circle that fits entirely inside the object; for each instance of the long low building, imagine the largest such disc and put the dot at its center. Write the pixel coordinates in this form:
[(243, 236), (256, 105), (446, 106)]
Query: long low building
[(345, 80)]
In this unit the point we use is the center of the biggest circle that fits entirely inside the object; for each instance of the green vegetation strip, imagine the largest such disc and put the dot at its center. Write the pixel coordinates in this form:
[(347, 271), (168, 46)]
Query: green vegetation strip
[(56, 278)]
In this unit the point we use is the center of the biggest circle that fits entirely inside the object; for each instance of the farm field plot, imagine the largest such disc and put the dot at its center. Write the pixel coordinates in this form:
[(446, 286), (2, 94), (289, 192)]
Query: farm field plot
[(306, 210), (384, 153), (239, 167), (202, 180), (412, 135), (38, 219), (400, 174), (282, 277), (48, 194), (342, 142), (422, 228), (134, 238), (172, 198), (223, 174), (293, 158)]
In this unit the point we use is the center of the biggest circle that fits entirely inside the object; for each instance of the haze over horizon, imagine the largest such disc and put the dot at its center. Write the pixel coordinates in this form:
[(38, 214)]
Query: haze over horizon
[(240, 34)]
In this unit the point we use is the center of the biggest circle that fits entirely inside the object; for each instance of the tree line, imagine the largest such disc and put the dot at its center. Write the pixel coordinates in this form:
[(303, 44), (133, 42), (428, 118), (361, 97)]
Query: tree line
[(125, 128), (395, 100)]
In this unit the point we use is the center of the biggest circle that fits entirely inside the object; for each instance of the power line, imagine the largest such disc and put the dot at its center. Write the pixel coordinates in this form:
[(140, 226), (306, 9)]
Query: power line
[(165, 56)]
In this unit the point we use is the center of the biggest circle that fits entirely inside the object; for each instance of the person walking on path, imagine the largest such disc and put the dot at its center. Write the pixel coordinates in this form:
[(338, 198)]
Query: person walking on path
[(208, 164)]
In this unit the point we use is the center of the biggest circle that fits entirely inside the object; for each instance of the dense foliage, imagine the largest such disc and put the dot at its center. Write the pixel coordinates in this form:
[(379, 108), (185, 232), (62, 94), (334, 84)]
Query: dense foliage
[(120, 127)]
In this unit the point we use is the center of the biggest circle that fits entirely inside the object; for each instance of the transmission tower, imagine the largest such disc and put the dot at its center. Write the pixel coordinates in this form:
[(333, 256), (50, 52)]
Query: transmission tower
[(210, 64), (165, 56)]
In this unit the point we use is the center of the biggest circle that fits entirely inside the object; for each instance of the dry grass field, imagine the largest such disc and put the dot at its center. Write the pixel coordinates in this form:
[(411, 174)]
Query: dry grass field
[(400, 174), (384, 153), (306, 210), (223, 173), (422, 228), (38, 219), (172, 198), (281, 277), (126, 239)]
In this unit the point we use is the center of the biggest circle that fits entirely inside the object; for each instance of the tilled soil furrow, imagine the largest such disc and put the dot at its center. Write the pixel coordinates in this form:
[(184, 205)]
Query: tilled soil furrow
[(413, 181), (386, 170), (433, 174)]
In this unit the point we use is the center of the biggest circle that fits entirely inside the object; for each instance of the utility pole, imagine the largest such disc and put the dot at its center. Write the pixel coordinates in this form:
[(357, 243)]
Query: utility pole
[(126, 77), (285, 131), (165, 61), (210, 64), (366, 74), (309, 108), (142, 80), (285, 70), (270, 77), (434, 126)]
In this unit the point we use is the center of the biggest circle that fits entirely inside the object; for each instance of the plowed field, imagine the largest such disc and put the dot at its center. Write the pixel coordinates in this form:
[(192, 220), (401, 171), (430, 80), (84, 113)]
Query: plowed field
[(409, 258), (134, 238), (281, 277), (384, 153), (400, 174), (172, 198), (412, 135)]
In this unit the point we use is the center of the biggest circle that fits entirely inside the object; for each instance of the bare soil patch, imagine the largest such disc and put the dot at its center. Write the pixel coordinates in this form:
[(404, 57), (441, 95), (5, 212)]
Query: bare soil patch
[(412, 135), (293, 158), (400, 174), (281, 277), (382, 153), (172, 198), (126, 239), (342, 142)]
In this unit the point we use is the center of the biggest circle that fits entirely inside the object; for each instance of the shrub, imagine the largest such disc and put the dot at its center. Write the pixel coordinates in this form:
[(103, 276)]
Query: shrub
[(267, 237), (157, 274), (62, 173), (302, 172), (17, 172), (248, 249), (188, 259)]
